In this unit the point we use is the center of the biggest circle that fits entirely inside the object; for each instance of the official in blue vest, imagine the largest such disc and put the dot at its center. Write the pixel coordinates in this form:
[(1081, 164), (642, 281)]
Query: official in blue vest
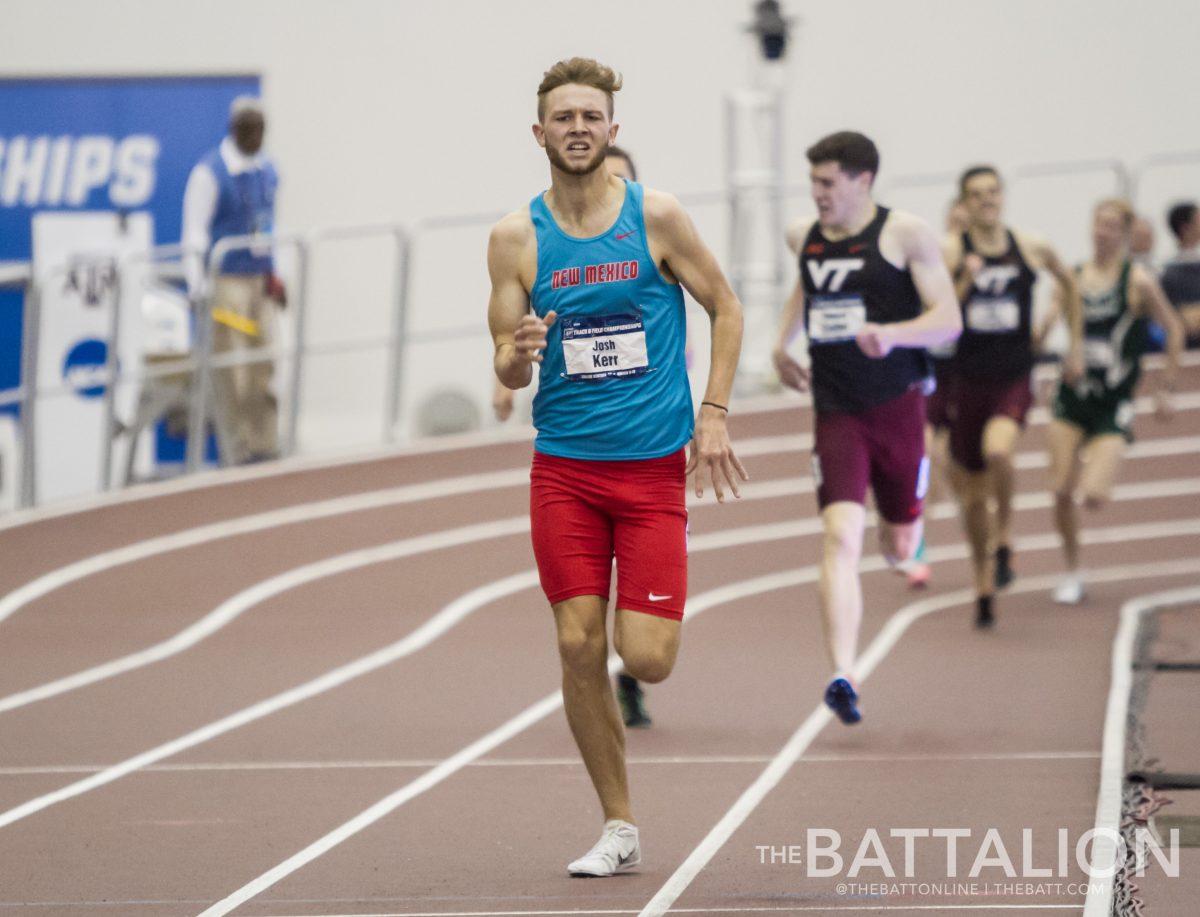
[(231, 192)]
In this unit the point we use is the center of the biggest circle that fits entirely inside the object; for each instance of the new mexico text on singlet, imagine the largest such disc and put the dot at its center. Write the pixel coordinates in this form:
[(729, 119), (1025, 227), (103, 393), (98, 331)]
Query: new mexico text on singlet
[(613, 379)]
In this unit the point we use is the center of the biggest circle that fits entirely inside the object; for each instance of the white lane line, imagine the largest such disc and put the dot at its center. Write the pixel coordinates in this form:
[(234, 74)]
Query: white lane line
[(347, 458), (418, 639), (883, 643), (232, 608), (445, 487), (477, 749), (14, 601), (468, 603), (632, 760), (244, 525), (1112, 764), (429, 631), (788, 909), (344, 458), (710, 599)]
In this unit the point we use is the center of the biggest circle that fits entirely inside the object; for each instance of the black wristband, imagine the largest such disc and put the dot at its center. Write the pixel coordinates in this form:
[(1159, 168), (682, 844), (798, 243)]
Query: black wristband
[(713, 404)]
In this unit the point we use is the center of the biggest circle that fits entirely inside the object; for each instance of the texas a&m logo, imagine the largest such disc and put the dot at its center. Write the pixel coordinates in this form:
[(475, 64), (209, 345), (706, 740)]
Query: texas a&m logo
[(834, 270)]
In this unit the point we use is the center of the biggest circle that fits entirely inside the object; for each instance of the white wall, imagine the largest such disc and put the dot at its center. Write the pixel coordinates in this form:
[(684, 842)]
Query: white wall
[(385, 109)]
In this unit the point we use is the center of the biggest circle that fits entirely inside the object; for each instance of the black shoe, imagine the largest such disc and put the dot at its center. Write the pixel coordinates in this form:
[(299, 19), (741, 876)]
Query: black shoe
[(984, 619), (842, 699), (1004, 570), (631, 699)]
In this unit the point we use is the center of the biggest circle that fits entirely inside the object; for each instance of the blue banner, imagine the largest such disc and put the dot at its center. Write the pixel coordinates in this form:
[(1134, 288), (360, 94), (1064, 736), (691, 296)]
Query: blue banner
[(115, 144)]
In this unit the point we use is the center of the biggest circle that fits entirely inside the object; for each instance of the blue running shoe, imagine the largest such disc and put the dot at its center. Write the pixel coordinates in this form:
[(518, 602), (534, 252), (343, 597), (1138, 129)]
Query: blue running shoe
[(842, 699)]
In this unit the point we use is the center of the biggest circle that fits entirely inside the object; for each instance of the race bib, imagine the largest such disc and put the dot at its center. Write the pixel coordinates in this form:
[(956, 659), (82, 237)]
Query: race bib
[(832, 319), (604, 346), (992, 315), (1098, 353), (944, 351)]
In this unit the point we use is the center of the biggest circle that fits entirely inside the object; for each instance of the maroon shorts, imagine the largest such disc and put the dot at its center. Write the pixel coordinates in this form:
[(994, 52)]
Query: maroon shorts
[(937, 405), (976, 401), (586, 513), (883, 446)]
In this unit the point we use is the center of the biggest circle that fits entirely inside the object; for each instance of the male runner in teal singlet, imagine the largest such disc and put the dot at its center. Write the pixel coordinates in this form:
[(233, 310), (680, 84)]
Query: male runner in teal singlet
[(586, 284)]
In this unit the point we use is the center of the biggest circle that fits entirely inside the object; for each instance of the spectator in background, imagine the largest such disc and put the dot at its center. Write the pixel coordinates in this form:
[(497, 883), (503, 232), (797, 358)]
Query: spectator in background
[(1181, 275), (231, 192), (1141, 252), (1141, 243)]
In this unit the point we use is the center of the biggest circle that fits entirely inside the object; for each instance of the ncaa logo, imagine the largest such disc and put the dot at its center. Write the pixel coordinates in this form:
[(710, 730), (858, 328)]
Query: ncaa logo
[(84, 368)]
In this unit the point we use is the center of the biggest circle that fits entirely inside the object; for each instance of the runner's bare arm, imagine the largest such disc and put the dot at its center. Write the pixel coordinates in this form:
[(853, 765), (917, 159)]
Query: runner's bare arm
[(962, 269), (1049, 320), (941, 321), (1070, 300), (1155, 305), (672, 233), (791, 372), (517, 335), (690, 260)]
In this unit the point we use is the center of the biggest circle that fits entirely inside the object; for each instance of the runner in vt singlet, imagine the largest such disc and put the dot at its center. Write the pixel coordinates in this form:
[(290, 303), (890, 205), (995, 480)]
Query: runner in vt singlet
[(995, 269), (873, 293), (848, 283)]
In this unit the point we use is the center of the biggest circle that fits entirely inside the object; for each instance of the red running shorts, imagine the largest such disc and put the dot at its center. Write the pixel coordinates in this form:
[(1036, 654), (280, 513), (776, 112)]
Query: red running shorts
[(585, 513)]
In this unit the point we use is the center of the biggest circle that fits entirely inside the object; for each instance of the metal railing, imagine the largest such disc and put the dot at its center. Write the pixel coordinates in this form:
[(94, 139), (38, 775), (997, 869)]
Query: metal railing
[(303, 244), (405, 245)]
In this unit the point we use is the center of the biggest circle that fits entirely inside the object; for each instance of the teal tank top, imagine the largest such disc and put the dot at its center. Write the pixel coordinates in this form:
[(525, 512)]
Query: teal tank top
[(613, 383)]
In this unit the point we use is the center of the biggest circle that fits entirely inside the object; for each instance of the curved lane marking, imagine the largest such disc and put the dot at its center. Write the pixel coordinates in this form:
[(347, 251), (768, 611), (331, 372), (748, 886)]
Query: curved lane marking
[(896, 625), (234, 607)]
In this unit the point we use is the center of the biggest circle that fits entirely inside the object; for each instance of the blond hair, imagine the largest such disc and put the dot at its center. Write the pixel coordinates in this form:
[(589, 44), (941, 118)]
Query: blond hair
[(581, 70), (1123, 208)]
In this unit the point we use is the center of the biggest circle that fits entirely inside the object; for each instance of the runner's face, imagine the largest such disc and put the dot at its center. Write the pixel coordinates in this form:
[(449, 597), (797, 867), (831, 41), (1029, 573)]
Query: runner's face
[(1108, 232), (838, 195), (983, 198), (576, 129)]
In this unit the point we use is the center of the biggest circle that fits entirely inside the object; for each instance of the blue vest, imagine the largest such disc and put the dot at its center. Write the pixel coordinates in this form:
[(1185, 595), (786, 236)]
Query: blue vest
[(613, 381), (245, 204)]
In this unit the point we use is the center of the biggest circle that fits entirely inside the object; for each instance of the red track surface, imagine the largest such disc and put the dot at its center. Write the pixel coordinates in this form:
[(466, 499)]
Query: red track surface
[(963, 729)]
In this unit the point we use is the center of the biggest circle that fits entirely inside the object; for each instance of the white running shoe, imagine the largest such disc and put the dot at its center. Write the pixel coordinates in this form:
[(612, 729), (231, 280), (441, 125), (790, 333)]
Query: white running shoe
[(617, 850), (1070, 590)]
